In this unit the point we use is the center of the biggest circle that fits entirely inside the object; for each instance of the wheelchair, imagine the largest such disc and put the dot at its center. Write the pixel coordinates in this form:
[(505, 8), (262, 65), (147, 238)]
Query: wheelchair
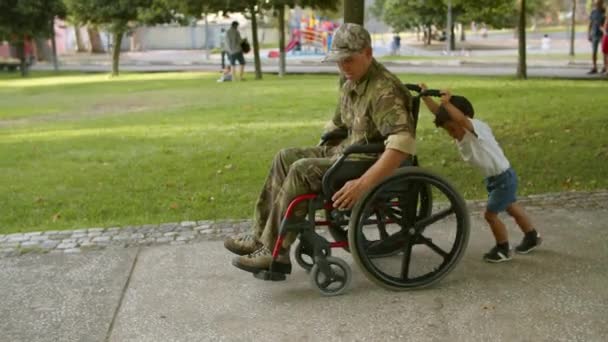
[(406, 233)]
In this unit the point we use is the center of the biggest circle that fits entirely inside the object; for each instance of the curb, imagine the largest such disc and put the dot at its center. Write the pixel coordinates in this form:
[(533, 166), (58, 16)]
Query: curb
[(178, 233)]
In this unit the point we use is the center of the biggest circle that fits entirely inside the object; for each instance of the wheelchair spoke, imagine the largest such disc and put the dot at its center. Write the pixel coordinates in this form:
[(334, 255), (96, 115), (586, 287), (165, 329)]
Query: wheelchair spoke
[(434, 218), (433, 246), (381, 225), (407, 254)]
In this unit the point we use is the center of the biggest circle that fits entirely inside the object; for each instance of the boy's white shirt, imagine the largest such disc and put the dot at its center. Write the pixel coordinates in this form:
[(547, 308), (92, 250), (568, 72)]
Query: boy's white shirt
[(482, 151)]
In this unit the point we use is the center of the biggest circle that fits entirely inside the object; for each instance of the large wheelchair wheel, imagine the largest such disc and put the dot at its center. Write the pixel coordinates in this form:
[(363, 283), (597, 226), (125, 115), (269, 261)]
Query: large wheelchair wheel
[(421, 201), (421, 249)]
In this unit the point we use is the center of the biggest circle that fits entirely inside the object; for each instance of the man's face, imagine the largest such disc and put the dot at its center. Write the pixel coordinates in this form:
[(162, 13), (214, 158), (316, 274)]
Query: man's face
[(355, 66)]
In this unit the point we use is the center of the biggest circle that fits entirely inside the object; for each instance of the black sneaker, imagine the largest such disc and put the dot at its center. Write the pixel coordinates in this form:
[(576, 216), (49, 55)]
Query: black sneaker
[(528, 243), (498, 254)]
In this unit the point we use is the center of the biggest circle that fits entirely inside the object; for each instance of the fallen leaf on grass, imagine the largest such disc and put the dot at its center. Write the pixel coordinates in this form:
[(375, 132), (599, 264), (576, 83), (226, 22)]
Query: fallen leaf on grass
[(173, 206), (56, 216)]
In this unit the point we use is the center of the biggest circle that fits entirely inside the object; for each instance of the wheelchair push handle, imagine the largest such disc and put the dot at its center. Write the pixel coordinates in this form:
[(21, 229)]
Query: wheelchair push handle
[(428, 92)]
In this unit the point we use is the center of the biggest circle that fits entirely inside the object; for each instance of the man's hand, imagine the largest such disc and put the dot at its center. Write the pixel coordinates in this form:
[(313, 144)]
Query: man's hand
[(423, 87), (350, 193)]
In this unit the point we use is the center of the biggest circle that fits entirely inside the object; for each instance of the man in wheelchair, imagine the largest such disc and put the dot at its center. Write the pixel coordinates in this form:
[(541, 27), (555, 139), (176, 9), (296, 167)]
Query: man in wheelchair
[(374, 106)]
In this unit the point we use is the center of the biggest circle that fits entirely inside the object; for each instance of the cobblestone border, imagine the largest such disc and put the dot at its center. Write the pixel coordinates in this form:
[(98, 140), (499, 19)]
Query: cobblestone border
[(76, 241)]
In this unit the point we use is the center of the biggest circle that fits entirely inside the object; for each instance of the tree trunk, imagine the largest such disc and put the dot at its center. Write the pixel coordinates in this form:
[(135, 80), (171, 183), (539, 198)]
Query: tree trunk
[(282, 61), (450, 29), (54, 45), (462, 35), (428, 35), (417, 33), (521, 65), (572, 28), (79, 43), (206, 36), (256, 44), (452, 38), (354, 11), (20, 46), (95, 40), (116, 43)]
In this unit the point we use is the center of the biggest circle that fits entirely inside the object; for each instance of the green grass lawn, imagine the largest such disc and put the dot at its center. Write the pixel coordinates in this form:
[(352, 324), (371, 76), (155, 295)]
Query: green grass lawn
[(81, 151)]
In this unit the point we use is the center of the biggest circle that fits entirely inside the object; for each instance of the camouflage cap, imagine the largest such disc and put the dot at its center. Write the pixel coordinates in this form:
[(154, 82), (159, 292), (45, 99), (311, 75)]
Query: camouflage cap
[(348, 39)]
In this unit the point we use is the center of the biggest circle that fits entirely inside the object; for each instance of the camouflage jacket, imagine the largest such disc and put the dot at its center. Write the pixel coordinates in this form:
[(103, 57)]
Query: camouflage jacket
[(376, 108)]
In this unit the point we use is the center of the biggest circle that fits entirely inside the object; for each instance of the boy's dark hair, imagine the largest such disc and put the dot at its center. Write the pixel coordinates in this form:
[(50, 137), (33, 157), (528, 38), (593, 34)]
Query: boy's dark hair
[(460, 102), (235, 24)]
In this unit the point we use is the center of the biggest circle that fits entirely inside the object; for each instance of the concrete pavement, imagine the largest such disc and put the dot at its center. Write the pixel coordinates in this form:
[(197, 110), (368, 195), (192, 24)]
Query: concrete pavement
[(192, 293)]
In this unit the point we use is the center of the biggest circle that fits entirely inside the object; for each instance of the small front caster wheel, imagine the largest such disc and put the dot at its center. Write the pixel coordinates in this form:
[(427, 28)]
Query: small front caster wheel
[(336, 282)]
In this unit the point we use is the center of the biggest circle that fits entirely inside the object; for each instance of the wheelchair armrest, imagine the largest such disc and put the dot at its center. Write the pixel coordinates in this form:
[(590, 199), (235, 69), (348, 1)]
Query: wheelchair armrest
[(368, 148), (338, 134), (356, 168)]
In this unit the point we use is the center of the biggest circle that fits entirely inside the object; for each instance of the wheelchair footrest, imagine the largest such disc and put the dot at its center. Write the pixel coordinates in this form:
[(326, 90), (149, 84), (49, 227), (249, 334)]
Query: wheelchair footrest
[(271, 276)]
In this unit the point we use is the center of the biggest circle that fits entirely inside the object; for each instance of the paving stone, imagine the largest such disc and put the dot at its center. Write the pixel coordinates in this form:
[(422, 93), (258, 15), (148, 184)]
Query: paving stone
[(71, 251), (59, 236), (96, 230), (18, 238), (146, 242), (167, 227), (9, 252), (88, 244), (49, 244), (102, 239), (30, 244), (121, 237), (79, 235), (67, 245), (38, 238), (184, 238), (7, 244)]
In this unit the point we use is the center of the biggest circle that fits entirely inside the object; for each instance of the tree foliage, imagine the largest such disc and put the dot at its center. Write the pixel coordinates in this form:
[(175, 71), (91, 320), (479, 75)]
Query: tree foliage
[(405, 14), (118, 16), (21, 19)]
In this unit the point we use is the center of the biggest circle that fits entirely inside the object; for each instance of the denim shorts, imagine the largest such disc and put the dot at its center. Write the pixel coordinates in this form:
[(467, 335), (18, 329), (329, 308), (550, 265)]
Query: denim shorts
[(237, 57), (502, 190)]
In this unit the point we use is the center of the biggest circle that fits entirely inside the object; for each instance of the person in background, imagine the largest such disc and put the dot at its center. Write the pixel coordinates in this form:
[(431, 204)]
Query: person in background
[(594, 32), (235, 51)]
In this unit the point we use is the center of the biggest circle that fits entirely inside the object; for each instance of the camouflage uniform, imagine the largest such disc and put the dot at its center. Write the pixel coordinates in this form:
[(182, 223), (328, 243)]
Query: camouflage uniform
[(376, 108)]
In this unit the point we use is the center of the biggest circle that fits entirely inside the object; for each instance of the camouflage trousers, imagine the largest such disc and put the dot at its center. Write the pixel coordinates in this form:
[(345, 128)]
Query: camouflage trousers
[(294, 172)]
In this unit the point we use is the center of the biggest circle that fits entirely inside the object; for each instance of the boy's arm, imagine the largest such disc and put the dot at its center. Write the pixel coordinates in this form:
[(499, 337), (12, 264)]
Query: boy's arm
[(428, 101), (455, 114)]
